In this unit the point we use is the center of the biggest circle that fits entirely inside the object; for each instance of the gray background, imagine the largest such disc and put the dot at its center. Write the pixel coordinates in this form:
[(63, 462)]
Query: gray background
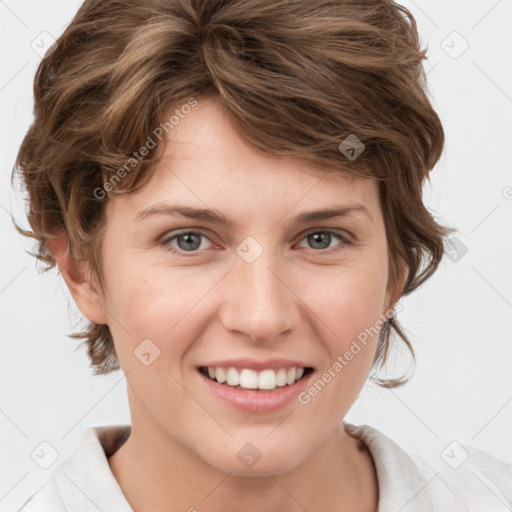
[(458, 321)]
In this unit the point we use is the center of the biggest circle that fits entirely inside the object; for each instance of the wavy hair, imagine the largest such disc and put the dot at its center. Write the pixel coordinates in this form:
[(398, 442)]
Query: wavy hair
[(297, 78)]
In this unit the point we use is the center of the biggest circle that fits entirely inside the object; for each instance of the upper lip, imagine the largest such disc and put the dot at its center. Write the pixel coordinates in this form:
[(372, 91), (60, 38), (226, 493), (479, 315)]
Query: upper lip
[(269, 364)]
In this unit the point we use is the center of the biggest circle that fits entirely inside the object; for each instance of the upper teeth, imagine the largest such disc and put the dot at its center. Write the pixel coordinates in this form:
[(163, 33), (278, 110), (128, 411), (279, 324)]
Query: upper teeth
[(251, 379)]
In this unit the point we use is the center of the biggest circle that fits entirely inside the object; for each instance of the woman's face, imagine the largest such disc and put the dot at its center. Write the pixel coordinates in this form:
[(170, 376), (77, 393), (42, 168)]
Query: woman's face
[(307, 296)]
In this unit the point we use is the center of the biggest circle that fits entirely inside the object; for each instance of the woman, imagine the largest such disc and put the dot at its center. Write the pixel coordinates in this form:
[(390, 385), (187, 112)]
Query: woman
[(287, 143)]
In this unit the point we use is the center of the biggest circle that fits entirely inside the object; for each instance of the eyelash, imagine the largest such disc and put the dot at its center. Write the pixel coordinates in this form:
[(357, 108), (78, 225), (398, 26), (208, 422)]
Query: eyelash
[(338, 234)]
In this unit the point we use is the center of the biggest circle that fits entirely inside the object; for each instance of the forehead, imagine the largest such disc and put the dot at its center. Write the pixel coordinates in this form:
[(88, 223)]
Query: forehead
[(208, 164)]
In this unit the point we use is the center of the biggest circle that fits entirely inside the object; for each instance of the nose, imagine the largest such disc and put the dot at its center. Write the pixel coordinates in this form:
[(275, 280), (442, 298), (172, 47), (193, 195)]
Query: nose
[(259, 300)]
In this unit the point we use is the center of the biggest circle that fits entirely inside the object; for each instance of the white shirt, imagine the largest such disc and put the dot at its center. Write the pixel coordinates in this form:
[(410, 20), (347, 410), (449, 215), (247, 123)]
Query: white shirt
[(85, 483)]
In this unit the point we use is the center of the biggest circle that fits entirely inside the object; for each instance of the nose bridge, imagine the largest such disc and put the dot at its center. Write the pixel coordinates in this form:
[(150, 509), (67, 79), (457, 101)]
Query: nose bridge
[(261, 304)]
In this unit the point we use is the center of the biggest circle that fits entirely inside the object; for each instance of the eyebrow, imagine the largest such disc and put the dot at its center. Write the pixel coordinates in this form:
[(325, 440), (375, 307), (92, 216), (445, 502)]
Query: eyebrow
[(216, 217)]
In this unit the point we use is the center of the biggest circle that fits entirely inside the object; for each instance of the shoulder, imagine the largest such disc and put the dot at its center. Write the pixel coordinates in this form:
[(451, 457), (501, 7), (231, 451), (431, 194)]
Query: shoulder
[(455, 477), (471, 478), (84, 482)]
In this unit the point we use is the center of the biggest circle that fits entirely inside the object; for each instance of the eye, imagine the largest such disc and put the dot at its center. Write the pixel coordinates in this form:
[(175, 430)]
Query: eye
[(187, 241), (321, 239), (190, 241)]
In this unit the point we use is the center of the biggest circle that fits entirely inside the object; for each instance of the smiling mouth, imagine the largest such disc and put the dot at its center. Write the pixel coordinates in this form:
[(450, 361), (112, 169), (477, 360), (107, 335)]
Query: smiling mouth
[(246, 378)]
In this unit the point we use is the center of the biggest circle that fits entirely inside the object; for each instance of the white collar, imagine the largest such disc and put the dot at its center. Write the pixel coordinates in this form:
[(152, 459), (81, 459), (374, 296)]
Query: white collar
[(85, 483)]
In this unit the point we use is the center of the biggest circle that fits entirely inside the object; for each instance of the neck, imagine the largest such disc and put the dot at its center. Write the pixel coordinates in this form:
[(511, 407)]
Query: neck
[(157, 473)]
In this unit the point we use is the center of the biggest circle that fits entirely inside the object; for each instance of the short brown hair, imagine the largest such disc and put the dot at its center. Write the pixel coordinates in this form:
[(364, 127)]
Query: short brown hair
[(298, 77)]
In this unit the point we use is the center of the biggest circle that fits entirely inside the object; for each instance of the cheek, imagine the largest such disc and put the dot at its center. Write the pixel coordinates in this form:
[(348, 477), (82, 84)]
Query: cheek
[(353, 299), (350, 307), (152, 302)]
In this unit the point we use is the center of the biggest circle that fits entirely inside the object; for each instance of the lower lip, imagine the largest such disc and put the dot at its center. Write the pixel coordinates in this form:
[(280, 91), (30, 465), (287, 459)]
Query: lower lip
[(256, 401)]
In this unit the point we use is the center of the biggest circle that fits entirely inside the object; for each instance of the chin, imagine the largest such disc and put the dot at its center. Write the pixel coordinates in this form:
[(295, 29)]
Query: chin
[(249, 461)]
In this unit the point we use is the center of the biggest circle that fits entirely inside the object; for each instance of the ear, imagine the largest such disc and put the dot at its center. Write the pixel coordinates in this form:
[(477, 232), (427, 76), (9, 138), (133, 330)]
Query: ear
[(75, 274), (396, 290)]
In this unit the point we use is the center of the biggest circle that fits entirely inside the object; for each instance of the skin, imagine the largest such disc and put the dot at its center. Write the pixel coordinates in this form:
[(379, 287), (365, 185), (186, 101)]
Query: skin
[(297, 299)]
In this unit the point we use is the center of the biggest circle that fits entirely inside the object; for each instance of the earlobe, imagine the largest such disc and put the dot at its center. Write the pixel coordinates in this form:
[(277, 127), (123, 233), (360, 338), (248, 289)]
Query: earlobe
[(75, 274)]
